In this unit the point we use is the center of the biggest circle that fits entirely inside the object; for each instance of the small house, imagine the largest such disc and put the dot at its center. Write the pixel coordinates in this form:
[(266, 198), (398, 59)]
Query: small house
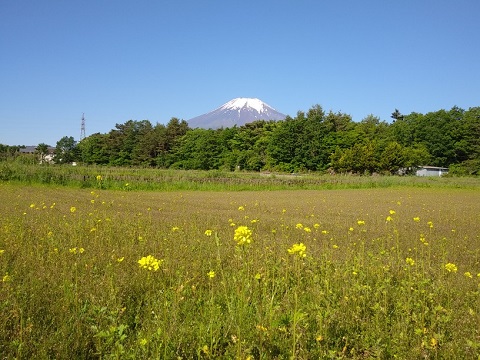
[(431, 171)]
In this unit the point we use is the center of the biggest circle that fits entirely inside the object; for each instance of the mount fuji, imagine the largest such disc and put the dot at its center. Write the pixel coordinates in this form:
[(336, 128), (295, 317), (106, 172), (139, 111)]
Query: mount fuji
[(238, 112)]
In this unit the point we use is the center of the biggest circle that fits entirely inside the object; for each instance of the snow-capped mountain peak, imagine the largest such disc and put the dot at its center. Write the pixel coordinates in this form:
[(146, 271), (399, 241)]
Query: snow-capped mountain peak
[(240, 103), (238, 111)]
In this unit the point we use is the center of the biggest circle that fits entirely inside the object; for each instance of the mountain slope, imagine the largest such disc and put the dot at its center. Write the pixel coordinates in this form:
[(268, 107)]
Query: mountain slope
[(238, 112)]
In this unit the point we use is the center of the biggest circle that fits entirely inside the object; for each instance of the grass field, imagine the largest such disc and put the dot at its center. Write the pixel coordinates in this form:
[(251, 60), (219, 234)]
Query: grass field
[(308, 274)]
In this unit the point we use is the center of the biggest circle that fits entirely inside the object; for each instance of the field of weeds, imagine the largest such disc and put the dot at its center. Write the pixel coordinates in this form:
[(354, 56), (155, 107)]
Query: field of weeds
[(305, 274)]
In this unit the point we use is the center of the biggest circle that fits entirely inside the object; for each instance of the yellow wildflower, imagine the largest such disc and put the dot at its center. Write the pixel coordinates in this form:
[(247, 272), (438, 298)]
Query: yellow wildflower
[(241, 208), (243, 235), (149, 263), (451, 267), (410, 261), (361, 222), (208, 232), (211, 274), (392, 212), (430, 224), (389, 218), (298, 249), (307, 229), (299, 226), (468, 274), (416, 219), (73, 209), (6, 278)]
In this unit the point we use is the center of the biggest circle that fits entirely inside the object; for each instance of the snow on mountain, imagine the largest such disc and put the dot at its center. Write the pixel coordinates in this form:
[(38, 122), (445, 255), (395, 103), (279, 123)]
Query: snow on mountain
[(238, 112)]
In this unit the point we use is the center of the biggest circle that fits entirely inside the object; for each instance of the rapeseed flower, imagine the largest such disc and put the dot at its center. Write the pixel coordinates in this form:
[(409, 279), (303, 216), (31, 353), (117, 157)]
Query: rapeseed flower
[(307, 229), (76, 250), (208, 232), (392, 212), (389, 218), (298, 249), (211, 274), (73, 209), (149, 263), (430, 224), (468, 274), (451, 267), (361, 222), (410, 261), (416, 219), (241, 208), (299, 226), (242, 235)]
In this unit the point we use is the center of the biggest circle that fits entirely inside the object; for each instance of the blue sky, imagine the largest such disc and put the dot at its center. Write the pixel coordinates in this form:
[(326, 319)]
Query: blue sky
[(121, 60)]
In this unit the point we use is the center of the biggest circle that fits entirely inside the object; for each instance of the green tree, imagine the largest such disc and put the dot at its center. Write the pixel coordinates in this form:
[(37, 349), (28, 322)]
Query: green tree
[(66, 150), (42, 151)]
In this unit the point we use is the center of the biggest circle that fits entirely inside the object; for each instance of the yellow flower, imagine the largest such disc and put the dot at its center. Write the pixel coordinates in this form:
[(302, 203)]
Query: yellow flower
[(451, 267), (392, 212), (211, 274), (1, 251), (73, 209), (298, 249), (351, 229), (120, 259), (430, 224), (410, 261), (149, 263), (316, 226), (243, 235), (208, 232), (468, 274), (175, 228), (299, 226), (6, 278), (32, 206), (143, 342), (389, 218), (361, 222), (307, 229), (416, 219), (254, 221), (241, 208), (99, 177)]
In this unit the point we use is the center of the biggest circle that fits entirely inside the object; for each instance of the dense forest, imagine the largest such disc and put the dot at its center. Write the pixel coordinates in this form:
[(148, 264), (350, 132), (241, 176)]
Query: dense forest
[(311, 141)]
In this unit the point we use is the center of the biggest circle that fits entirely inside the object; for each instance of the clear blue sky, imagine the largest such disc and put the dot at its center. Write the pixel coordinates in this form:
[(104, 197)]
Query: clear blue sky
[(120, 60)]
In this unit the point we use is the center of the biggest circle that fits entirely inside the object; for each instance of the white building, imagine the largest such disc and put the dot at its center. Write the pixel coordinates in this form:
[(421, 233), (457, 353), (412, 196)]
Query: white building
[(431, 171)]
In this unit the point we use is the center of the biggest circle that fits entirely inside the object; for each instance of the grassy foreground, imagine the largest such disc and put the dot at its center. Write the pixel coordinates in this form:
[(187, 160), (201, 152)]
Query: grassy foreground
[(306, 274)]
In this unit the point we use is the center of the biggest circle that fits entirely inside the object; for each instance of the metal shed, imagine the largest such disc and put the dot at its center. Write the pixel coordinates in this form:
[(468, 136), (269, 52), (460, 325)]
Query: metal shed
[(431, 171)]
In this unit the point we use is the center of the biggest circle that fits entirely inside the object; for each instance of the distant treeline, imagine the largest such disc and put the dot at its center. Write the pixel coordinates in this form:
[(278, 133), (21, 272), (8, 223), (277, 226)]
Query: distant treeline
[(312, 141)]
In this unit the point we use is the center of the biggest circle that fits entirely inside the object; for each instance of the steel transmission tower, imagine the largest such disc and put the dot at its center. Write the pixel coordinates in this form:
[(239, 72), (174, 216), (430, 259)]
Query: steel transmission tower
[(82, 130)]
